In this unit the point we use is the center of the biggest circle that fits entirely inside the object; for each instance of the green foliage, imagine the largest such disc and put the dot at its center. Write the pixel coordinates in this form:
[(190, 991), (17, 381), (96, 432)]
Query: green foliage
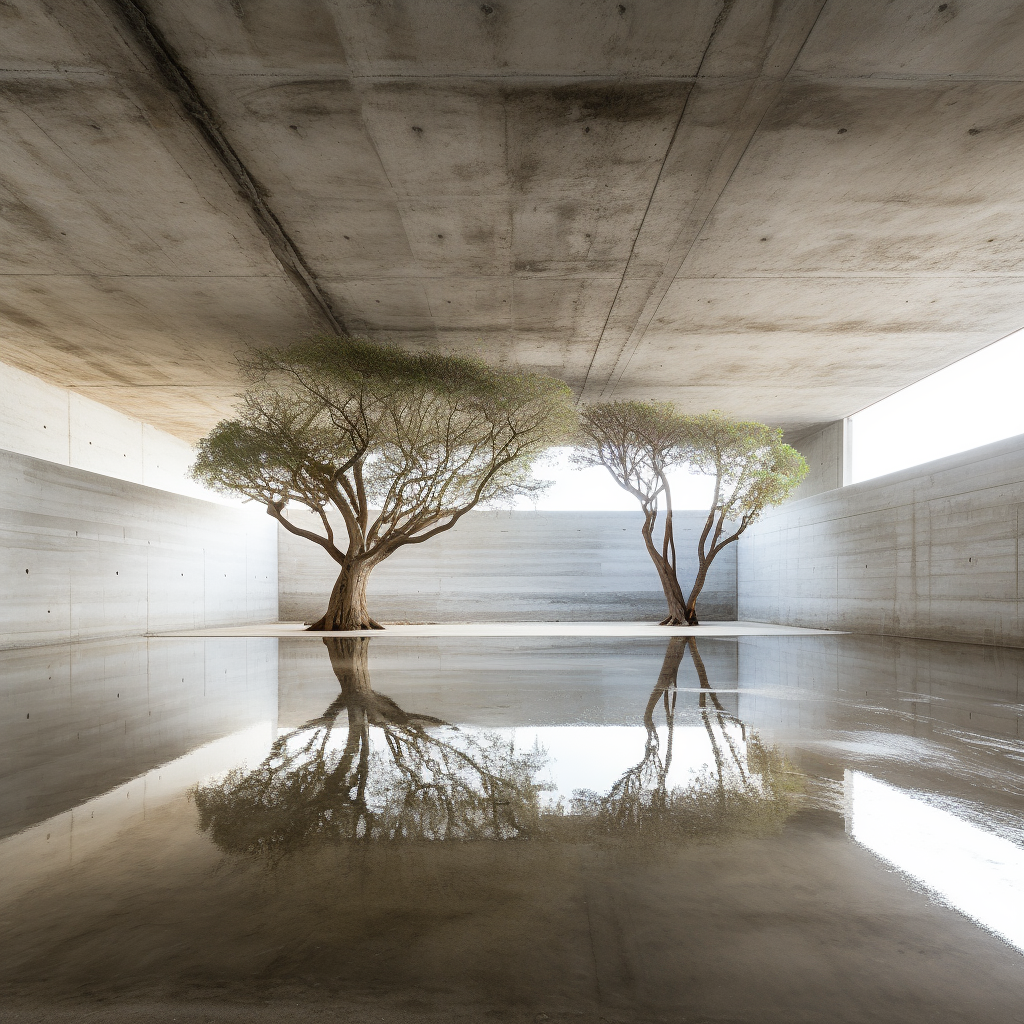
[(754, 468), (418, 785), (752, 797), (344, 421), (367, 770), (639, 442)]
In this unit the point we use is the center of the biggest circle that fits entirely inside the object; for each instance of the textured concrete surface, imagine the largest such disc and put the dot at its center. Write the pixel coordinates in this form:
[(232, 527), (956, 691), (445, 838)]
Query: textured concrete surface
[(70, 429), (786, 210), (829, 458), (932, 551), (514, 566), (84, 555)]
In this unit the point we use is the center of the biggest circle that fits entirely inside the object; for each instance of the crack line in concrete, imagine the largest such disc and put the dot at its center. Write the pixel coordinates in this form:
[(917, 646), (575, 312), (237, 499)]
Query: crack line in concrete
[(180, 84), (722, 15), (696, 235), (666, 279)]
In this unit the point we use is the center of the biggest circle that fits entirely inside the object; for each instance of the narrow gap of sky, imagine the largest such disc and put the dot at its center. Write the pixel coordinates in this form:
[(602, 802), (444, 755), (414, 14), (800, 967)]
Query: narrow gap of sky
[(971, 403), (594, 490)]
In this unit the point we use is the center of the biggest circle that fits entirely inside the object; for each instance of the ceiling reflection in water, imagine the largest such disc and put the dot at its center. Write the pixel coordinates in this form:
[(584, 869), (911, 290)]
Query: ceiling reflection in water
[(626, 829)]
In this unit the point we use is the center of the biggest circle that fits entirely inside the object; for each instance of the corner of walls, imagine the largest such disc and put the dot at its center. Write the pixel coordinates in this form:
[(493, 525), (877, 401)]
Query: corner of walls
[(829, 459), (103, 535), (931, 552)]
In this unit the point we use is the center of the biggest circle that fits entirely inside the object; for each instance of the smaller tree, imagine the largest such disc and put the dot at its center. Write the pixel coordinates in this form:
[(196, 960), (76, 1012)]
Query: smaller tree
[(398, 445), (640, 442), (753, 469), (751, 788)]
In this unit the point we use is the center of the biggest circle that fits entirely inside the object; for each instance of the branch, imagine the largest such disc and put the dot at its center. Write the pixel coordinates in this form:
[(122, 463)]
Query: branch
[(274, 509)]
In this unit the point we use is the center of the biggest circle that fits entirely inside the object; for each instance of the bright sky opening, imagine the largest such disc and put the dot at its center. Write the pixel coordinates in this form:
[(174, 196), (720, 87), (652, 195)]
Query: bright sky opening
[(594, 490), (972, 402)]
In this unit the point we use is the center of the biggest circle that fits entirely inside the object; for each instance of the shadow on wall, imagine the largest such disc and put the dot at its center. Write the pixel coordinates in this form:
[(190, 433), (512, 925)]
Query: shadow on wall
[(515, 566)]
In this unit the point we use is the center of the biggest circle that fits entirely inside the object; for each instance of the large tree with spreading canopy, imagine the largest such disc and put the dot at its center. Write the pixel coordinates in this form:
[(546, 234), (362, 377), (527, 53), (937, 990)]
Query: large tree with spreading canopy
[(639, 443), (400, 445)]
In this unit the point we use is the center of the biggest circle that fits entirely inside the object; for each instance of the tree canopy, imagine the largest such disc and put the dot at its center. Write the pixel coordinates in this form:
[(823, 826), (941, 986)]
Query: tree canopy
[(401, 444), (640, 442)]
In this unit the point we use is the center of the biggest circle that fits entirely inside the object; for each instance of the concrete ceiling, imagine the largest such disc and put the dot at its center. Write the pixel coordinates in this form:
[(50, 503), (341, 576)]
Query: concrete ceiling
[(785, 210)]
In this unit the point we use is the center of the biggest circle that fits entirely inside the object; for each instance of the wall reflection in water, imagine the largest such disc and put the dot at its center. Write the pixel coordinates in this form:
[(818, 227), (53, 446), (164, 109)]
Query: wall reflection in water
[(94, 734)]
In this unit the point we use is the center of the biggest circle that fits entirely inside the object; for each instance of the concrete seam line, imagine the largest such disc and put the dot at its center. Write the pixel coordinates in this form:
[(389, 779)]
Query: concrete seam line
[(727, 7), (648, 312), (180, 84)]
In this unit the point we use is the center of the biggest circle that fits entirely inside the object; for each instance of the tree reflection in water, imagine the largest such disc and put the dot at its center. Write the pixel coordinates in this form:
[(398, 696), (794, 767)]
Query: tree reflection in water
[(428, 780), (751, 787)]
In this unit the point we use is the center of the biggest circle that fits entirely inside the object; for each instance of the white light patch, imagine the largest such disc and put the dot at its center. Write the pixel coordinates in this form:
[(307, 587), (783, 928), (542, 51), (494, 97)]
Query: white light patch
[(595, 757), (977, 872), (973, 402), (594, 490)]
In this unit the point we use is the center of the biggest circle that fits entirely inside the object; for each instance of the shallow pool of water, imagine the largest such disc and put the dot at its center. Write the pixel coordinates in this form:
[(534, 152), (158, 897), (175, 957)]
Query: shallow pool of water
[(753, 829)]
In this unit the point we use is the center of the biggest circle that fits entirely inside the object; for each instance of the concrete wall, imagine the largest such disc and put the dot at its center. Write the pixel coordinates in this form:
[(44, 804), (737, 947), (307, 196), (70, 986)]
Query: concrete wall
[(514, 566), (931, 552), (829, 459), (69, 429), (83, 555)]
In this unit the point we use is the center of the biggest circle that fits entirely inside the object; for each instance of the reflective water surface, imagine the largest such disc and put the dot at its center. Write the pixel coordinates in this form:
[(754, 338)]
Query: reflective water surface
[(760, 829)]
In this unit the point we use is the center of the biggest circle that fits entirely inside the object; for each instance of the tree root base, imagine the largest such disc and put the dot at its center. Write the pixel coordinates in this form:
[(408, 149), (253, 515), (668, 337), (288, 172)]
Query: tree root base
[(671, 620), (320, 627)]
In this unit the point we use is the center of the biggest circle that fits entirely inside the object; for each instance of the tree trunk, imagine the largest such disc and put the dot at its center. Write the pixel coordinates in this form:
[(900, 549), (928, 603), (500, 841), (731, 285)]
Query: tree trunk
[(667, 574), (350, 659), (346, 609), (667, 678), (690, 608)]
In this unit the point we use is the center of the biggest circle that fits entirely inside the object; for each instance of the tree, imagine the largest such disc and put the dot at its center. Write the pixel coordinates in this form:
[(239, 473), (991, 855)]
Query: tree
[(422, 780), (352, 425), (753, 469), (640, 442)]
